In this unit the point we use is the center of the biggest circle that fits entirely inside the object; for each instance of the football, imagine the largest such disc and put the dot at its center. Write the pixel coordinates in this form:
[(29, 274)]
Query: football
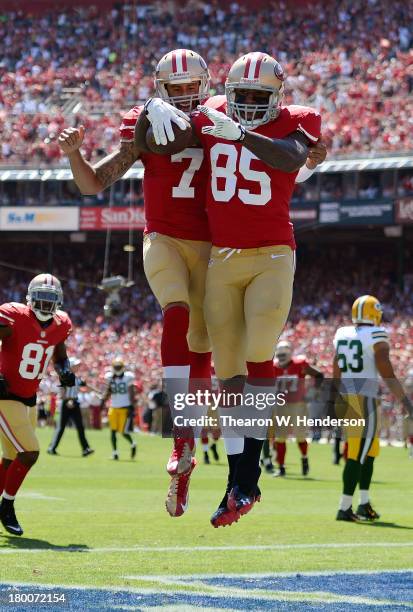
[(182, 140)]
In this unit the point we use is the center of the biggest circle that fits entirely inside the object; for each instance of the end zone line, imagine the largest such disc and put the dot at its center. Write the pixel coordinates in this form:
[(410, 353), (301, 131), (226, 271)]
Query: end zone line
[(260, 575), (173, 549), (265, 593)]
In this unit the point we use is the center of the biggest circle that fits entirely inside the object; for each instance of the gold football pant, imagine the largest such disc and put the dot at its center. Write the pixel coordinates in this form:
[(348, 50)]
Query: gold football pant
[(17, 428), (362, 439), (117, 418), (176, 271), (247, 300)]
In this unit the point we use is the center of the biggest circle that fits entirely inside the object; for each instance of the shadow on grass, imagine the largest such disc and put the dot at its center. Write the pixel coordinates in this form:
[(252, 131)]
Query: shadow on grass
[(385, 524), (7, 541)]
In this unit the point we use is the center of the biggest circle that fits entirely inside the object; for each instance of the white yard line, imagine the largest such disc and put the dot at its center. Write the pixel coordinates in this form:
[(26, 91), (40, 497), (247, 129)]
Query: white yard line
[(34, 495), (173, 549)]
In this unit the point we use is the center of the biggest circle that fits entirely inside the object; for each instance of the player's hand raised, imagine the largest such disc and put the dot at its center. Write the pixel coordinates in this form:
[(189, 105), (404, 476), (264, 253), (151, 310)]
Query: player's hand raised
[(223, 126), (161, 115), (71, 139)]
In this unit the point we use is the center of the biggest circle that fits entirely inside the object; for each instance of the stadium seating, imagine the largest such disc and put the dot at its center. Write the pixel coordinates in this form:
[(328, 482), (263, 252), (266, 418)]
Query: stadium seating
[(322, 302), (70, 67)]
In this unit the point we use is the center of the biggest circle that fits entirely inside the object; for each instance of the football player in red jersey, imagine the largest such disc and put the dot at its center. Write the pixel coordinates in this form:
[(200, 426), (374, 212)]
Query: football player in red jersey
[(32, 335), (254, 148), (176, 240), (290, 373)]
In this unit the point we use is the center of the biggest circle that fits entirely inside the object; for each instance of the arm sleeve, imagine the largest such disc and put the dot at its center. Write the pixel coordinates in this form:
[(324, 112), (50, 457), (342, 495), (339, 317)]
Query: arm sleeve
[(127, 127), (8, 316), (310, 125)]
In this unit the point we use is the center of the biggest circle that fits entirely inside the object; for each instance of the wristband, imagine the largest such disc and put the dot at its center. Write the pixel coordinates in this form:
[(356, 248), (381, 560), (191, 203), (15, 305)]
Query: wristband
[(243, 132), (304, 173)]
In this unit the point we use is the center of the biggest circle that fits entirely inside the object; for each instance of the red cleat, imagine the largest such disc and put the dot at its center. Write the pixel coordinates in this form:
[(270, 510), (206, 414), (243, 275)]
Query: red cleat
[(177, 499), (223, 517), (240, 502), (180, 460)]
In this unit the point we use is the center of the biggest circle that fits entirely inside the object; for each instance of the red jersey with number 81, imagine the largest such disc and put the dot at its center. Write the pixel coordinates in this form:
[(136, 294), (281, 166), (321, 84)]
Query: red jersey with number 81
[(174, 188), (25, 355), (248, 202), (291, 380)]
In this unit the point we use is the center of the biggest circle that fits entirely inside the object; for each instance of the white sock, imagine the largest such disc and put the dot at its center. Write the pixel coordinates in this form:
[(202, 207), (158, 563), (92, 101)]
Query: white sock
[(364, 496), (234, 446), (7, 496), (205, 448), (346, 501), (176, 379), (197, 412)]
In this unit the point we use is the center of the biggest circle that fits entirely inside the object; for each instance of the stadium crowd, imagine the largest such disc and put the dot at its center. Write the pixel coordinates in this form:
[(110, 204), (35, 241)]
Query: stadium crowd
[(352, 61), (322, 302)]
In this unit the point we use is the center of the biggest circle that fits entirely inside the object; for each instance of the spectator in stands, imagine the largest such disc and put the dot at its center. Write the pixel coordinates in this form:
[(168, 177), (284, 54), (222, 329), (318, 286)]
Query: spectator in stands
[(96, 63)]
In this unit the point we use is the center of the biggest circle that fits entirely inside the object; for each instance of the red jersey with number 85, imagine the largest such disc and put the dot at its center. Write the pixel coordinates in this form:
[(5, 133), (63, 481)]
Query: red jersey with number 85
[(174, 188), (248, 202), (291, 379), (25, 355)]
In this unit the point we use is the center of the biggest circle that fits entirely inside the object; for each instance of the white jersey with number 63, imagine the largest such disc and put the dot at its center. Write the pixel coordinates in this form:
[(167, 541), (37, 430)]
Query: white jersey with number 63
[(354, 346)]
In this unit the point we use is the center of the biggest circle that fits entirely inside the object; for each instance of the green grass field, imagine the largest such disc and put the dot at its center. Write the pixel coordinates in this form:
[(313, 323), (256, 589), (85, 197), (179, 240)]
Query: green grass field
[(112, 514)]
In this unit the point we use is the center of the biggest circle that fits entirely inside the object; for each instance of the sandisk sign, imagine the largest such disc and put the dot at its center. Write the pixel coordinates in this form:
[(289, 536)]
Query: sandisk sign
[(117, 218)]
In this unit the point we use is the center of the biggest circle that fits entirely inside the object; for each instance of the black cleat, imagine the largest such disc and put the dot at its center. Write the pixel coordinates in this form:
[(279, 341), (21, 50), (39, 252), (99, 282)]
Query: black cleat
[(8, 518), (280, 473), (115, 455), (133, 451), (214, 451), (52, 451), (267, 465), (87, 451), (305, 467), (347, 515), (223, 517), (206, 458), (366, 513)]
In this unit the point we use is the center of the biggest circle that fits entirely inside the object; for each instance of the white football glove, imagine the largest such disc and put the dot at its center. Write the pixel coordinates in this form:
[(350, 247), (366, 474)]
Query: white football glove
[(224, 127), (161, 114)]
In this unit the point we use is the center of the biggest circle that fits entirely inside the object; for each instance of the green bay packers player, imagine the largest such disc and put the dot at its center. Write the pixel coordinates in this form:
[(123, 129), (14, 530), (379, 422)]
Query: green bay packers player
[(121, 390), (362, 354)]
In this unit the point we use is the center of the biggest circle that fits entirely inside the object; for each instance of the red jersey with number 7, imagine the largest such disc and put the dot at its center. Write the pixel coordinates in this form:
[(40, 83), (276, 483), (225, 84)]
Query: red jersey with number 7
[(174, 188), (25, 355), (248, 202)]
